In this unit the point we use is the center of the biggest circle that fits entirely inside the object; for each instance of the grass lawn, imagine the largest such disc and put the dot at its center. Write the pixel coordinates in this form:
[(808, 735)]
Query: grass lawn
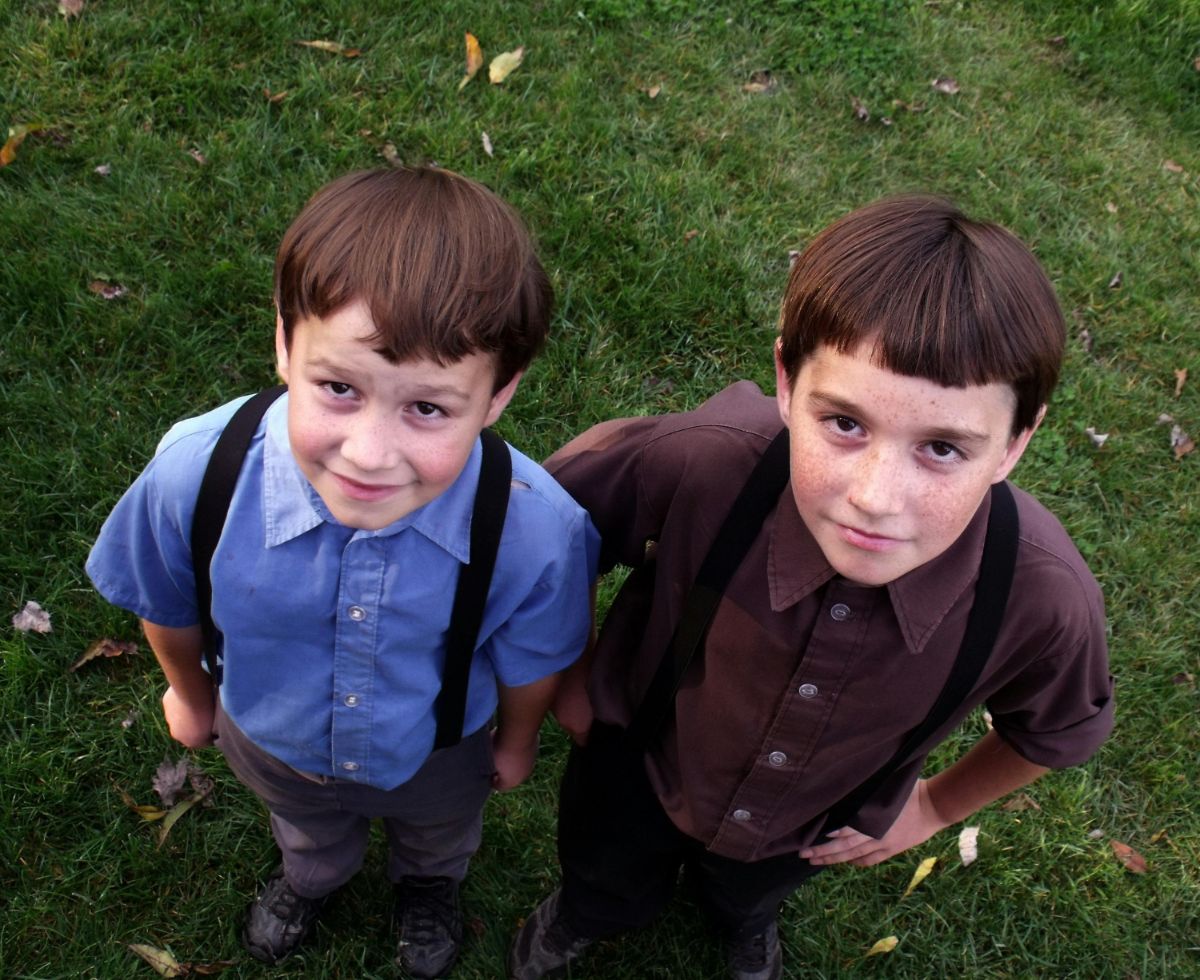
[(666, 180)]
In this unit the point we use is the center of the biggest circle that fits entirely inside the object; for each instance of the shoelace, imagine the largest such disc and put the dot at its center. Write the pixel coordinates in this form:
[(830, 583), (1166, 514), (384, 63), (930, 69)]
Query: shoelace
[(426, 913)]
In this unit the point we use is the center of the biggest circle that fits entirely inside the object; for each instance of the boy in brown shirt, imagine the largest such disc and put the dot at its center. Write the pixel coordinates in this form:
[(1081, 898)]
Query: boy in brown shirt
[(917, 351)]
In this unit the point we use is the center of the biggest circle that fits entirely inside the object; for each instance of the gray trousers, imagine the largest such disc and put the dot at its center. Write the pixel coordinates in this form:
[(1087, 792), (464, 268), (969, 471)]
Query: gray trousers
[(433, 822)]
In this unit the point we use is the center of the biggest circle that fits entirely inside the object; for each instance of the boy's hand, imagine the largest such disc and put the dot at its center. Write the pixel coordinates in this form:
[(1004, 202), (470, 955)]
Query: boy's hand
[(513, 763), (573, 710), (918, 821), (190, 724)]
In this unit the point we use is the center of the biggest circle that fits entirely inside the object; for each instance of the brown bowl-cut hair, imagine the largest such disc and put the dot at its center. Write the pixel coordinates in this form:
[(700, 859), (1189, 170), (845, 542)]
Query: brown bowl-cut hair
[(444, 266), (939, 296)]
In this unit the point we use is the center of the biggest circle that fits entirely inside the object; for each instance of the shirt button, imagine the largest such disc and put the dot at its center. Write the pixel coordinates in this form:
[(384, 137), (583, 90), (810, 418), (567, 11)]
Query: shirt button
[(741, 815), (840, 611), (777, 759), (350, 701), (357, 613), (350, 766), (809, 690)]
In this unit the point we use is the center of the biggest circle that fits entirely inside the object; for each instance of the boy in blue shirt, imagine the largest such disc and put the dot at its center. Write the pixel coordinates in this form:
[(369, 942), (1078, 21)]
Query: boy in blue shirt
[(409, 302)]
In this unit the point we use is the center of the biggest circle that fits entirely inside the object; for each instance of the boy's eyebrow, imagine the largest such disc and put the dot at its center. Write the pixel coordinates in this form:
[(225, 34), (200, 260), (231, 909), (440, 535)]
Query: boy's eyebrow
[(422, 389), (825, 401)]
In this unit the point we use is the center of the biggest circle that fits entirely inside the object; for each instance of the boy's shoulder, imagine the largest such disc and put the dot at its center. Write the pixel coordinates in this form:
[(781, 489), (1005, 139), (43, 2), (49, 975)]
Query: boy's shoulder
[(536, 495), (1050, 565)]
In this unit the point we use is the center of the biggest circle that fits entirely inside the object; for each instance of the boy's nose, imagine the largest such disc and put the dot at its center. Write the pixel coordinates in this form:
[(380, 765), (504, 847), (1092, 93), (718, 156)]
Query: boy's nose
[(876, 484), (371, 445)]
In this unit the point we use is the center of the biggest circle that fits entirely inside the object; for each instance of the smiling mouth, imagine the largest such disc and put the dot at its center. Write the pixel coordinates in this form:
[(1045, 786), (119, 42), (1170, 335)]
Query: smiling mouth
[(866, 540), (364, 491)]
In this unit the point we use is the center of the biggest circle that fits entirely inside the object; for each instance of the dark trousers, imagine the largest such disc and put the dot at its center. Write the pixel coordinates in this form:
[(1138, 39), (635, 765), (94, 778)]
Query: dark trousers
[(621, 855)]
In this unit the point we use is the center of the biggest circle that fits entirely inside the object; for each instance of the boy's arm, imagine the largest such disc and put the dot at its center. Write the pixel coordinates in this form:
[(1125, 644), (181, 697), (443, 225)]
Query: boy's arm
[(571, 707), (990, 770), (189, 700), (515, 740)]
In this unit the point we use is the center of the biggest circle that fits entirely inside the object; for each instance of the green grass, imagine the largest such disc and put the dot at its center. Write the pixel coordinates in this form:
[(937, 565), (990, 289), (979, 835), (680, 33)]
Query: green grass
[(1063, 142)]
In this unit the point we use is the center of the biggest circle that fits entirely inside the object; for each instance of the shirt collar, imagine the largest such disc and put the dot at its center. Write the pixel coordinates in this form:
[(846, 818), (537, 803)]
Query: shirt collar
[(292, 507), (920, 599)]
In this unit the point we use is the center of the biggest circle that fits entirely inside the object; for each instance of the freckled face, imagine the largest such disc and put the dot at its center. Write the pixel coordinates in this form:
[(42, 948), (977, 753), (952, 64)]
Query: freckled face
[(888, 470), (378, 440)]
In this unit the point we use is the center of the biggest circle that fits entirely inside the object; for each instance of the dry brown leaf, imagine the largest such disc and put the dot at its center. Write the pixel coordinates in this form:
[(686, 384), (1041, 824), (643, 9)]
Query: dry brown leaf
[(196, 155), (107, 290), (1132, 860), (104, 648), (1086, 340), (861, 112), (16, 136), (1196, 64), (1115, 281), (388, 152), (653, 91), (163, 962), (1181, 442), (968, 845), (332, 47), (1158, 835), (945, 84), (885, 945), (104, 170), (32, 619), (474, 60), (690, 234), (1022, 801), (70, 8), (919, 875), (169, 780), (1184, 677), (1171, 167), (1110, 207), (761, 83), (487, 143), (208, 969), (274, 97), (1180, 380), (505, 64)]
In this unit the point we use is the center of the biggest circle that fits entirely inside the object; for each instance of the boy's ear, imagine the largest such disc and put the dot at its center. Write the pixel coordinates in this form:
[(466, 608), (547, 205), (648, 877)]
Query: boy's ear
[(1016, 448), (783, 384), (281, 351), (501, 399)]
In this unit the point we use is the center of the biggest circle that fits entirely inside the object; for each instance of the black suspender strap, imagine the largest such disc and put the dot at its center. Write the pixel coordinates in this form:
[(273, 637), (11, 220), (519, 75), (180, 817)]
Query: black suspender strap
[(212, 507), (474, 580), (983, 624), (751, 507)]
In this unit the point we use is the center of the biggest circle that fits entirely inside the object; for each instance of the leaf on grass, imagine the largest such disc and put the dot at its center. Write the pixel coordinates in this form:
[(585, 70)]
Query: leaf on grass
[(32, 619), (487, 143), (505, 64), (861, 112), (1110, 207), (474, 60), (1098, 438), (908, 106), (919, 875), (169, 780), (163, 962), (1158, 835), (1057, 41), (147, 813), (177, 811), (1115, 281), (968, 845), (196, 155), (1196, 64), (1180, 380), (16, 136), (130, 719), (1181, 442), (945, 84), (1164, 419), (104, 648), (208, 969), (107, 290), (332, 47), (1130, 858), (201, 782), (1086, 340), (1020, 802), (70, 8), (1184, 677), (885, 945), (653, 91), (1171, 167), (274, 97), (1095, 834), (389, 153), (103, 170), (690, 234), (761, 82), (793, 255)]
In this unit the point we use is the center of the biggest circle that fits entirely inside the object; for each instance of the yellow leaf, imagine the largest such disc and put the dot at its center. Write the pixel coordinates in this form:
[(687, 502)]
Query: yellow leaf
[(505, 64), (474, 60), (919, 875), (146, 812), (16, 136), (332, 47), (884, 946), (163, 962), (177, 811)]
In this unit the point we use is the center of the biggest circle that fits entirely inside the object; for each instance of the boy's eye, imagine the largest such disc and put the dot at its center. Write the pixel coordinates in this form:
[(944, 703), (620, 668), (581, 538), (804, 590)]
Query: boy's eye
[(944, 451), (426, 409), (842, 424), (338, 389)]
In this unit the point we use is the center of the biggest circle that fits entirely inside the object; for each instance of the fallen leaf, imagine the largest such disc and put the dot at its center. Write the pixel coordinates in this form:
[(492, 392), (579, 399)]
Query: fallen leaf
[(1110, 207), (1085, 339), (968, 845), (388, 152), (208, 969), (505, 64), (477, 926), (1095, 834), (653, 91), (70, 8), (793, 254), (107, 290), (169, 779), (202, 784), (885, 120), (919, 875), (690, 234), (32, 619), (487, 143), (884, 946), (474, 60), (1181, 442), (16, 136), (1180, 380), (332, 47), (1132, 860), (1115, 281), (1164, 419), (1022, 801), (1184, 677), (274, 97), (908, 107), (130, 719), (103, 170), (1170, 166), (196, 155), (145, 811), (1098, 438), (172, 818), (761, 82), (1158, 835), (163, 962), (1057, 41), (861, 112), (103, 648), (945, 85)]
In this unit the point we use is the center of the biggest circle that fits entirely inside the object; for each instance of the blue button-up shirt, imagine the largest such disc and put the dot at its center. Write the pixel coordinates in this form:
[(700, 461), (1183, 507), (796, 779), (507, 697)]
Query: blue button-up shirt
[(333, 636)]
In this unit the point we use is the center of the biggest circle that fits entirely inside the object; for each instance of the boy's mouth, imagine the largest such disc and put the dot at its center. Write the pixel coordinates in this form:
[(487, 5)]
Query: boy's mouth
[(866, 540), (366, 492)]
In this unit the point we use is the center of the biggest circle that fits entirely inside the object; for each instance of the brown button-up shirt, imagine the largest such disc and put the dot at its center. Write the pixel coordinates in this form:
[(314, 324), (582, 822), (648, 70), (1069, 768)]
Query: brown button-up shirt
[(809, 683)]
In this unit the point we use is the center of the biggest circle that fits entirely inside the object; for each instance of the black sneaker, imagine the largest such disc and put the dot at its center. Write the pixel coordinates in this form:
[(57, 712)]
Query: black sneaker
[(545, 945), (756, 957), (431, 925), (278, 920)]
